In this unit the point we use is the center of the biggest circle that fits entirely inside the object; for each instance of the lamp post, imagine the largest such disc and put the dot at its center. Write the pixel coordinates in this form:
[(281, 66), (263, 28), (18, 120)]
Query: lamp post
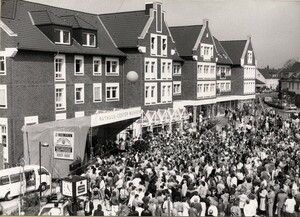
[(40, 160)]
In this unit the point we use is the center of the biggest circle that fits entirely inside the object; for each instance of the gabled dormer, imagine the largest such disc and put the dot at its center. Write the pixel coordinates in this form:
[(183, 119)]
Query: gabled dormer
[(248, 57), (56, 29), (83, 32)]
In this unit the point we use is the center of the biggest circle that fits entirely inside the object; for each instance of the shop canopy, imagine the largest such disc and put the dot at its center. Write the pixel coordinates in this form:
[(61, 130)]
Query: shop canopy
[(66, 139)]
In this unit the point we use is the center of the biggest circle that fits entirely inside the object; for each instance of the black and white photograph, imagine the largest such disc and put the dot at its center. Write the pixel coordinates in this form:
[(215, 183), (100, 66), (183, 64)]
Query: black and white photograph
[(150, 108)]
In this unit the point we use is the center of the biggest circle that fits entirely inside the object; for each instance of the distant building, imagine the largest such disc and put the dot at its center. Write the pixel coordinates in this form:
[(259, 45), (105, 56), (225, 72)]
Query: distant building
[(269, 77)]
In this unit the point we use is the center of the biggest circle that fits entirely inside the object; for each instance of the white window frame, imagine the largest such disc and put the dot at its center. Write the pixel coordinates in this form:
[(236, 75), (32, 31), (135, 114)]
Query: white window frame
[(3, 59), (97, 85), (63, 68), (204, 71), (206, 89), (60, 116), (4, 133), (150, 75), (110, 85), (210, 51), (150, 100), (249, 56), (81, 72), (63, 101), (88, 43), (79, 114), (61, 37), (81, 100), (110, 59), (153, 51), (176, 83), (4, 87), (99, 73), (166, 98), (167, 73), (176, 69), (164, 52), (31, 120)]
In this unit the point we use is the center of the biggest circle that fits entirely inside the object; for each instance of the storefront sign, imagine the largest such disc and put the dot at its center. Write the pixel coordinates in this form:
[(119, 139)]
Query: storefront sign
[(115, 116), (63, 145)]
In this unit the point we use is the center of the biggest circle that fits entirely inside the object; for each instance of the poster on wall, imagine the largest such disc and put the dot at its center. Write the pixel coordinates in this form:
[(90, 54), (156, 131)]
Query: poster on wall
[(63, 145)]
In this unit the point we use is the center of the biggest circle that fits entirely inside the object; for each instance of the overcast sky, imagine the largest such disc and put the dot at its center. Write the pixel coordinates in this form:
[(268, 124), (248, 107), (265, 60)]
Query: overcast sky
[(273, 25)]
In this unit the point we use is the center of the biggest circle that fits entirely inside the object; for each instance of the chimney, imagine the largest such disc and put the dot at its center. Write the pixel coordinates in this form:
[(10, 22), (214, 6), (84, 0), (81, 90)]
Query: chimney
[(148, 7), (205, 22), (249, 37)]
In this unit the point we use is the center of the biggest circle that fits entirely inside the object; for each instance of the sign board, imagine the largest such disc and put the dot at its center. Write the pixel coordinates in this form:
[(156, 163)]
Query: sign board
[(63, 145), (74, 187), (115, 116), (81, 187)]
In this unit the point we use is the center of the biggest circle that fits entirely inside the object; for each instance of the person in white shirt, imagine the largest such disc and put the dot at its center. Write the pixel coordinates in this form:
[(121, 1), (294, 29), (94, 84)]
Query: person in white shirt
[(55, 210), (212, 210), (290, 206)]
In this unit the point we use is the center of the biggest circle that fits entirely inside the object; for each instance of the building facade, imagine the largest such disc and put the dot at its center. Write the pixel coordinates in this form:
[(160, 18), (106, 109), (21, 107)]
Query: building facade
[(57, 64)]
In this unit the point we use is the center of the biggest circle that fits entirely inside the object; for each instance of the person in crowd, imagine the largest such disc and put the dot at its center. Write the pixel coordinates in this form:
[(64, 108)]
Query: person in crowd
[(98, 211), (88, 207)]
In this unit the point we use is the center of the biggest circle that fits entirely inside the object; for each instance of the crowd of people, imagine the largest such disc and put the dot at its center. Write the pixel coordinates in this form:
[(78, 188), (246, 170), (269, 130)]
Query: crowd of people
[(246, 167)]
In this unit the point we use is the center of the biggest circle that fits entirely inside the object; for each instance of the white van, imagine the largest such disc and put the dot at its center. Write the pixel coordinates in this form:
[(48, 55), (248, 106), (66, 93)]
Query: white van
[(18, 180)]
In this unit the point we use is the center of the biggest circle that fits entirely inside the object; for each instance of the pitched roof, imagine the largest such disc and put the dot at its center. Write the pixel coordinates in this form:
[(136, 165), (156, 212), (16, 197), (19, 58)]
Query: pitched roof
[(234, 49), (78, 22), (31, 38), (45, 17), (268, 73), (223, 57), (125, 27), (185, 38), (258, 81)]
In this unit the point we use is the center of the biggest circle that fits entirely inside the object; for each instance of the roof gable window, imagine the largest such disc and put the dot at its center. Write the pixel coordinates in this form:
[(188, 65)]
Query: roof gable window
[(249, 57), (62, 36), (89, 39)]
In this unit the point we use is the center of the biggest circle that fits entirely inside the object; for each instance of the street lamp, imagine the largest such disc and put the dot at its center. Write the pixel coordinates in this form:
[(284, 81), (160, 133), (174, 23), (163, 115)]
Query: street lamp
[(40, 159)]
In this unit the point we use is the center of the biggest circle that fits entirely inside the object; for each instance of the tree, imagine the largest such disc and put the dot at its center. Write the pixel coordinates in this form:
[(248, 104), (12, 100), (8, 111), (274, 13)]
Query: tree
[(289, 63)]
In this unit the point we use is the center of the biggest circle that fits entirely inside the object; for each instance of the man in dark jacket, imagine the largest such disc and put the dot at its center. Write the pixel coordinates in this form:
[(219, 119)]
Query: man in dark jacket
[(133, 212), (146, 211), (88, 207), (98, 211)]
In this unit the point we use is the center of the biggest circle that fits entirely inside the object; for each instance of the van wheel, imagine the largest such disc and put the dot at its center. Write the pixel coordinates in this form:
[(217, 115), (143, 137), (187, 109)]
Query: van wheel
[(7, 197), (43, 187)]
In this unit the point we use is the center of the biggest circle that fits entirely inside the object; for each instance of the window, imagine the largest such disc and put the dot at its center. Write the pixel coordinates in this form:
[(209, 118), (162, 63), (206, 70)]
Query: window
[(206, 51), (176, 69), (199, 88), (14, 178), (2, 65), (63, 36), (212, 70), (60, 97), (4, 180), (153, 44), (177, 87), (206, 69), (150, 68), (249, 55), (60, 116), (97, 93), (60, 67), (79, 93), (3, 96), (222, 76), (166, 95), (166, 66), (164, 46), (112, 66), (150, 93), (79, 65), (112, 91), (89, 40), (97, 66)]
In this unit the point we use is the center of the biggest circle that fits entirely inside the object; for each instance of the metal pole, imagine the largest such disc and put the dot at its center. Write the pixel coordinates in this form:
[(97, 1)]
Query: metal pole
[(74, 206), (40, 156)]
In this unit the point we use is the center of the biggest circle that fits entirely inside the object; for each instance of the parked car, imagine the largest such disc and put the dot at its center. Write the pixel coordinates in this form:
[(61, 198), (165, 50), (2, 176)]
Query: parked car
[(62, 205), (292, 107)]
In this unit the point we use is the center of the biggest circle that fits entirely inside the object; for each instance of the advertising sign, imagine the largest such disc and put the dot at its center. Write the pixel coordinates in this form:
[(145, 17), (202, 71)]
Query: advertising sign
[(63, 145), (81, 187)]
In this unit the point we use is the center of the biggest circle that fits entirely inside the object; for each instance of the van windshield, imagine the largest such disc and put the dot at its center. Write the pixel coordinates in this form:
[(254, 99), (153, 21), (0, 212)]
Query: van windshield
[(4, 180)]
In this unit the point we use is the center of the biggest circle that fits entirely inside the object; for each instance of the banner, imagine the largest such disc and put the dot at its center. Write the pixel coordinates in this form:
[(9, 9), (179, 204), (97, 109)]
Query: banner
[(63, 145), (115, 116)]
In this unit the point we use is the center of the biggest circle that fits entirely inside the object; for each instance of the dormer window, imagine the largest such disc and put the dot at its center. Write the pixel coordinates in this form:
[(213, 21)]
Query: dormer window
[(249, 57), (89, 40), (63, 36)]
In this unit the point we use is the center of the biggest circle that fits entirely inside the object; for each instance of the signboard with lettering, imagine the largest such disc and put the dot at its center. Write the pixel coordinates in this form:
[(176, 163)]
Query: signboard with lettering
[(115, 116), (81, 187), (63, 145)]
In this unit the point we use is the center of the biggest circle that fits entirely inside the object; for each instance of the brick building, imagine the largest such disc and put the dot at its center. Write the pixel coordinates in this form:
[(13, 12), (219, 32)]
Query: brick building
[(58, 64)]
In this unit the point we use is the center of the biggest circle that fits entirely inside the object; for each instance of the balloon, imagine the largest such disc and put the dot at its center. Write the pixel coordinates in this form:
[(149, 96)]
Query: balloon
[(132, 76)]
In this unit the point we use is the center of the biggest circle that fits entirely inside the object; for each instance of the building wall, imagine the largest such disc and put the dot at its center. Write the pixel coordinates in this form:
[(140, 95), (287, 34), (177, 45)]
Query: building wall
[(189, 80), (237, 81), (31, 92), (272, 83)]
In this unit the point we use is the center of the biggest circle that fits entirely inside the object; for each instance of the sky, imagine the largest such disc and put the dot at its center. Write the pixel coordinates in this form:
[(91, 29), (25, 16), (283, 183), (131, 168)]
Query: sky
[(274, 25)]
